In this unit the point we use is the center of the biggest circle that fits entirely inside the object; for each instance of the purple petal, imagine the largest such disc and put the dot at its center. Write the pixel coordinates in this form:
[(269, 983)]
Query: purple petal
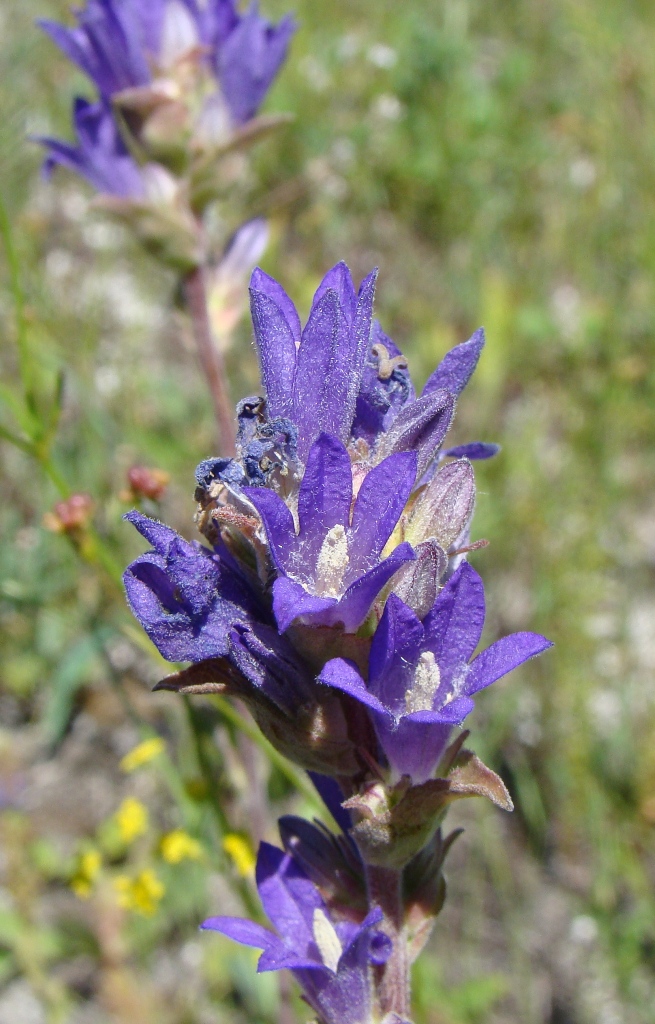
[(339, 280), (397, 644), (454, 626), (157, 534), (452, 713), (289, 899), (503, 656), (325, 495), (456, 368), (381, 499), (330, 793), (356, 603), (248, 933), (249, 60), (278, 523), (413, 748), (420, 426), (271, 664), (291, 601), (342, 675), (322, 377), (473, 450), (262, 282), (99, 156), (277, 352)]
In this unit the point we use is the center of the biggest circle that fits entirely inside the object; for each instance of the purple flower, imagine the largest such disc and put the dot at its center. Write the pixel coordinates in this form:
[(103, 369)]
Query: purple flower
[(421, 681), (126, 44), (100, 155), (186, 597), (330, 958), (330, 570), (341, 374), (313, 376)]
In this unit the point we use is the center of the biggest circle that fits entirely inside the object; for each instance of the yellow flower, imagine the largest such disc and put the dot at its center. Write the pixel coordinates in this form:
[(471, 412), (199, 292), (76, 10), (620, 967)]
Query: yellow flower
[(132, 819), (141, 893), (143, 754), (177, 846), (88, 866), (240, 851)]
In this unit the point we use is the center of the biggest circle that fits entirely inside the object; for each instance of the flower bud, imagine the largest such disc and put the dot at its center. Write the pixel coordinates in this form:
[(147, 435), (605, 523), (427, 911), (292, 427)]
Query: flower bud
[(444, 508)]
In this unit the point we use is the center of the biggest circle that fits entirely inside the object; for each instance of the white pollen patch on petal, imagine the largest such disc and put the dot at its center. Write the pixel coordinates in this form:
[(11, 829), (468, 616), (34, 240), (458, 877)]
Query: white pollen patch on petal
[(427, 679), (327, 940), (332, 563)]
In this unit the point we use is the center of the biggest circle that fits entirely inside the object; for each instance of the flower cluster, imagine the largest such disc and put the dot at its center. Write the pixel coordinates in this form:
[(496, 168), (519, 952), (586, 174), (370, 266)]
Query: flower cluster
[(334, 597), (176, 80)]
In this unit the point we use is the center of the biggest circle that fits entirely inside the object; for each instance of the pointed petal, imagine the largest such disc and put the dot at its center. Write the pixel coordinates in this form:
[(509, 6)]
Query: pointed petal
[(278, 523), (503, 656), (267, 285), (288, 897), (394, 652), (248, 933), (456, 368), (342, 675), (330, 793), (339, 280), (420, 426), (356, 603), (454, 626), (325, 495), (277, 351), (291, 601), (322, 378), (380, 501), (476, 450), (157, 534)]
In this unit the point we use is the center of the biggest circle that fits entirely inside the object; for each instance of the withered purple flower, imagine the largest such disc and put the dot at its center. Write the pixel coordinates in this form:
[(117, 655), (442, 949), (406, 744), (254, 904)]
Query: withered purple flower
[(186, 597), (329, 957)]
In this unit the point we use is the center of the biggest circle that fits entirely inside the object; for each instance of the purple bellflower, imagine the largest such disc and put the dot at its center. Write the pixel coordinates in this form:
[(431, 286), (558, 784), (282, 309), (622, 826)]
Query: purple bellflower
[(100, 154), (128, 44), (421, 681), (331, 958), (330, 570)]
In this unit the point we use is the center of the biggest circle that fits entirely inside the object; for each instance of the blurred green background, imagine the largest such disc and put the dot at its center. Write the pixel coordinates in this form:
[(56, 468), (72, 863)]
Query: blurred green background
[(497, 161)]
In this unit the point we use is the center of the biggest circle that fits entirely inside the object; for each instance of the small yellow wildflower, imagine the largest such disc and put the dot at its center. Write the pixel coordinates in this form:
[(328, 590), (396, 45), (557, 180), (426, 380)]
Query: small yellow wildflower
[(132, 819), (141, 893), (177, 846), (143, 754), (89, 865), (240, 851)]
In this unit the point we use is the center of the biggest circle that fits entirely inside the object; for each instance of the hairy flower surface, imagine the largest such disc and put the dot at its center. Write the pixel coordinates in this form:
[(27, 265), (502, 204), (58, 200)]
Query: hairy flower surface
[(334, 596), (329, 957), (421, 681)]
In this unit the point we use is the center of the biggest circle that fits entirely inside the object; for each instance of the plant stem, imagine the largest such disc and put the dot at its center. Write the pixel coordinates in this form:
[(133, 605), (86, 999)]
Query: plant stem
[(211, 358), (385, 891)]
